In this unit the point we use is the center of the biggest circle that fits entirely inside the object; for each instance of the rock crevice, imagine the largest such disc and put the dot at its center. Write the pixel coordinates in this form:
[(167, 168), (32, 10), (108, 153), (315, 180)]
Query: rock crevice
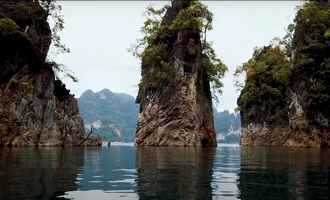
[(178, 111), (306, 96)]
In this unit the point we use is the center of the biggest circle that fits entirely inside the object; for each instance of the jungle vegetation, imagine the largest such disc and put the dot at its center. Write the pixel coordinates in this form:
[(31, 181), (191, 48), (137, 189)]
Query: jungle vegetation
[(301, 57), (154, 52)]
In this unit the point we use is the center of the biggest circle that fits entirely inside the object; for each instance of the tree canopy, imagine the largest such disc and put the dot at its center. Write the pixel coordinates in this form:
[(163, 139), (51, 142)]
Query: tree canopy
[(56, 20), (297, 62), (156, 54), (312, 59)]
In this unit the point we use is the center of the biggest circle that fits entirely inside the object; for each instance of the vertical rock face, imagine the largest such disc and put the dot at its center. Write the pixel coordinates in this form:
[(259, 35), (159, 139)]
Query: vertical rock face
[(306, 96), (263, 101), (178, 110), (35, 109), (309, 88)]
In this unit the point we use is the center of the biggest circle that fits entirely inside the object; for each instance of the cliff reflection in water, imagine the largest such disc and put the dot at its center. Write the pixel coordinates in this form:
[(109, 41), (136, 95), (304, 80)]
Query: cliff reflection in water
[(129, 173), (174, 173), (29, 173), (284, 173)]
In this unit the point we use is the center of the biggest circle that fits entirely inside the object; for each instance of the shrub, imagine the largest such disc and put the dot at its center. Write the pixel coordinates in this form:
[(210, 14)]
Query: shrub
[(155, 48), (265, 92), (8, 25)]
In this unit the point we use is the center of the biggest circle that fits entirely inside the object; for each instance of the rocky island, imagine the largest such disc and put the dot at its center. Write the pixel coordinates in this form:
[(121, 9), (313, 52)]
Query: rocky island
[(35, 108), (286, 97), (177, 67)]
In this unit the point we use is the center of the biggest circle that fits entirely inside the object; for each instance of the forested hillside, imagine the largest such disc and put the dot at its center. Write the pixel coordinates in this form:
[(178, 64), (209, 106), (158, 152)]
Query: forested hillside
[(114, 115)]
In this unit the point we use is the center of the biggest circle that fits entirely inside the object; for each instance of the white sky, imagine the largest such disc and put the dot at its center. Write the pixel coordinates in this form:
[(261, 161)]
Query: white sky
[(99, 34)]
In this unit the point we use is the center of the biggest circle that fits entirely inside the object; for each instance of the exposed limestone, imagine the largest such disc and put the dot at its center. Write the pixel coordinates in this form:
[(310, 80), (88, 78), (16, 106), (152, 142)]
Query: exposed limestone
[(264, 136), (35, 109), (178, 113), (307, 94)]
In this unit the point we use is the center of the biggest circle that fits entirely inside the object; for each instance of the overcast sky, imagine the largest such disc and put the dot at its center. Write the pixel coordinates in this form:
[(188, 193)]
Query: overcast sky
[(99, 34)]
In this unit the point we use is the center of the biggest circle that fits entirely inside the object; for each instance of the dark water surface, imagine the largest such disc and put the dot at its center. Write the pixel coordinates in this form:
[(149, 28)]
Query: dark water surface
[(124, 172)]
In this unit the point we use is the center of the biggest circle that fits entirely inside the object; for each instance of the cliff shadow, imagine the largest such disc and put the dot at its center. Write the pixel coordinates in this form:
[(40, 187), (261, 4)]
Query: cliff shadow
[(174, 173), (32, 173), (283, 173)]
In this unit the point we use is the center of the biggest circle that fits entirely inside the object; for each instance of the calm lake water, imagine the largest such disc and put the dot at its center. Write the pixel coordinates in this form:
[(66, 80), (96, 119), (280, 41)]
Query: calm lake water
[(125, 172)]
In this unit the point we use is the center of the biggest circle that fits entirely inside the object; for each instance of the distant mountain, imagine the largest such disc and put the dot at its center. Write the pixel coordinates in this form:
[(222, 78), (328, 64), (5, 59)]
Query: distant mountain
[(112, 115), (228, 126)]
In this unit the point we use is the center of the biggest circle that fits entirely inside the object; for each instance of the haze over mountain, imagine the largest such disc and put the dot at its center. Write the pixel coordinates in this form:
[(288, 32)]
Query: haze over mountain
[(114, 116)]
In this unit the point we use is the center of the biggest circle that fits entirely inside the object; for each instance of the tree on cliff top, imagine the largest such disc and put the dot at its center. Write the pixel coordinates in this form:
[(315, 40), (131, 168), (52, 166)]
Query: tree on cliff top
[(54, 16), (300, 59), (311, 65), (263, 98), (56, 19), (154, 48)]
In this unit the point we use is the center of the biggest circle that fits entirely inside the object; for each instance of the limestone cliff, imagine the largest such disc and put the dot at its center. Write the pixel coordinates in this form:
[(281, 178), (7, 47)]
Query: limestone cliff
[(175, 104), (35, 109), (309, 88), (295, 113)]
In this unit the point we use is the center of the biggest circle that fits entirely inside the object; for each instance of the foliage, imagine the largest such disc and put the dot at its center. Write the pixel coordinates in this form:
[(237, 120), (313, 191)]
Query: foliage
[(314, 26), (8, 25), (62, 69), (327, 34), (266, 87), (120, 111), (214, 67), (196, 16), (56, 19), (60, 90), (54, 15), (299, 61), (286, 42), (154, 49), (284, 45), (312, 62), (152, 29)]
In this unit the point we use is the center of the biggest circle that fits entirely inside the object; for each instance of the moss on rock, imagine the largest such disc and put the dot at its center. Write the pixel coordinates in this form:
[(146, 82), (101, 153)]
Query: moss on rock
[(8, 25), (263, 99)]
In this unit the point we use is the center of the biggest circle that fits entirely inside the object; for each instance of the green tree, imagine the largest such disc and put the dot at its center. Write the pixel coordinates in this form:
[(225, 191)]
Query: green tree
[(56, 19), (311, 63), (284, 50), (154, 53), (263, 98)]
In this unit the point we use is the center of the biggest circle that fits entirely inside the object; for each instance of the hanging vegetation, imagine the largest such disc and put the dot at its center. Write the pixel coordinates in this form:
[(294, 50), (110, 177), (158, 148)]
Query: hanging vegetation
[(154, 49)]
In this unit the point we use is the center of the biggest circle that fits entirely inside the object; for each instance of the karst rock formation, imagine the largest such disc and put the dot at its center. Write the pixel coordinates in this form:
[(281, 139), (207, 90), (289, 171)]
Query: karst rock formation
[(35, 108), (177, 112), (300, 115)]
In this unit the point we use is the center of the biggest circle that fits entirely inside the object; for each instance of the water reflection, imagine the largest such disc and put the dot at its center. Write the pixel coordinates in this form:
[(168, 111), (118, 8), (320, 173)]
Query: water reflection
[(180, 173), (124, 172), (33, 174), (108, 169), (225, 173), (283, 173), (108, 173)]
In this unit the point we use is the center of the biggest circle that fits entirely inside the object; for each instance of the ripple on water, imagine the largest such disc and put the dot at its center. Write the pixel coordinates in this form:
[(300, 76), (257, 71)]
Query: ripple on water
[(101, 195), (131, 181), (123, 172)]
